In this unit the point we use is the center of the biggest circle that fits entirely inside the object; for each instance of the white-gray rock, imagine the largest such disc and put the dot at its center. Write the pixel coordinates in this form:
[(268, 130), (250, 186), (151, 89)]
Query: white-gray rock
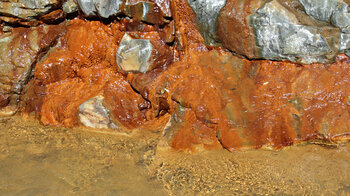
[(92, 113), (133, 55), (280, 36), (207, 12), (103, 8)]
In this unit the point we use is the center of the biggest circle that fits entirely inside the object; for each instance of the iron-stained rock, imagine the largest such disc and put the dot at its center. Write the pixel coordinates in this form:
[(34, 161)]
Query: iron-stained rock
[(19, 51)]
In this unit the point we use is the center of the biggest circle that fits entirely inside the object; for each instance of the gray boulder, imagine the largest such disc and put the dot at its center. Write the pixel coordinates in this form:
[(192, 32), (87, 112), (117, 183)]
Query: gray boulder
[(280, 36), (298, 31), (336, 12)]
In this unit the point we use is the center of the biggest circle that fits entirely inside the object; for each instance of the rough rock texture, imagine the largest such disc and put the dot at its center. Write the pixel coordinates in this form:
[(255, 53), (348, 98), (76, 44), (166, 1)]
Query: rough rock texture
[(279, 30), (207, 12), (73, 73), (142, 55), (252, 104), (103, 8), (149, 67), (19, 52), (92, 113), (334, 11), (27, 9), (70, 7), (148, 11)]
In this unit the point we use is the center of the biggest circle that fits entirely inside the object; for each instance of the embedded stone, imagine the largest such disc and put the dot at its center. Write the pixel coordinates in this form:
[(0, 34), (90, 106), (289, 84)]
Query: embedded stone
[(103, 8), (92, 113), (142, 55), (133, 54), (207, 12), (70, 7)]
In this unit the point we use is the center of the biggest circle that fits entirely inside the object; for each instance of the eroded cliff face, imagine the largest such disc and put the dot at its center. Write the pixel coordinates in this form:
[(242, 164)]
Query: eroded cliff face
[(193, 70)]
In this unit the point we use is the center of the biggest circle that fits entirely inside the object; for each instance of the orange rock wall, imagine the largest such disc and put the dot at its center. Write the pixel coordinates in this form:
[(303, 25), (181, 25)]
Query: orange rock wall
[(206, 97)]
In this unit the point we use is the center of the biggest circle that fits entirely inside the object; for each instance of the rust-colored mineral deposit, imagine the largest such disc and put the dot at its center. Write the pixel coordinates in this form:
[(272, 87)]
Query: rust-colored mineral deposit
[(147, 65)]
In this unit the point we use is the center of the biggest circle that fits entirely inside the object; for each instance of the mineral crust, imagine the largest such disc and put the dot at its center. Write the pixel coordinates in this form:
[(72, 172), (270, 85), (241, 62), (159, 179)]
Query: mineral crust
[(205, 74)]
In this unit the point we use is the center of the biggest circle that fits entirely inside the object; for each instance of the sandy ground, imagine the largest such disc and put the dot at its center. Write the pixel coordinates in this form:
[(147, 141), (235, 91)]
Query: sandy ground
[(38, 160)]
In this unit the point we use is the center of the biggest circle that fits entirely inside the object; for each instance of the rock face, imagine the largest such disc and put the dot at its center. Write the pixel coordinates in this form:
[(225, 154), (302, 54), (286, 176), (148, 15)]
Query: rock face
[(148, 11), (27, 9), (19, 52), (281, 30), (207, 12), (334, 11), (104, 8), (147, 65), (72, 73)]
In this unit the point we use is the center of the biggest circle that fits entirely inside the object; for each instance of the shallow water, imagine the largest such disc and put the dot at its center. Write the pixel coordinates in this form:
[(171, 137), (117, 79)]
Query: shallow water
[(38, 160)]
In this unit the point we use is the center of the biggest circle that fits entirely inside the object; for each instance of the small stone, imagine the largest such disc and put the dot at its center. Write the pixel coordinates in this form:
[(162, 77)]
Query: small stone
[(70, 7), (92, 113), (133, 54), (142, 55)]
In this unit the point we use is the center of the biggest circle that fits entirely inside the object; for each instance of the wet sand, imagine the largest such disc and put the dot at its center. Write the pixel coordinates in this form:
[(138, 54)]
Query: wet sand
[(38, 160)]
